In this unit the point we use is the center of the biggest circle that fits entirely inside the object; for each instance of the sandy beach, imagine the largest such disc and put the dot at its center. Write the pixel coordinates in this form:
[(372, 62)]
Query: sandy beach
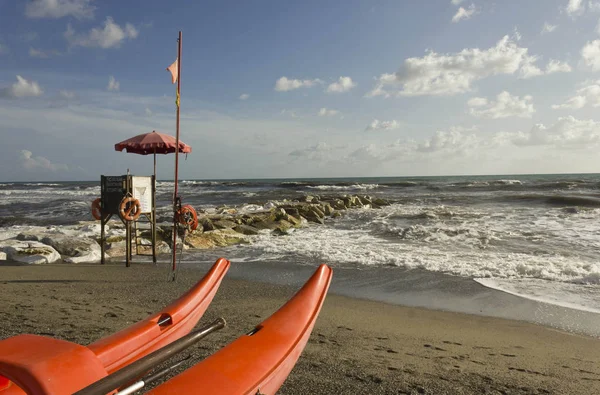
[(357, 346)]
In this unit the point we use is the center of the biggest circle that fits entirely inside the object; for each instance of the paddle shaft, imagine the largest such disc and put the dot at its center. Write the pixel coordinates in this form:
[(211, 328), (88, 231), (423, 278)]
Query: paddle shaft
[(148, 379), (142, 365)]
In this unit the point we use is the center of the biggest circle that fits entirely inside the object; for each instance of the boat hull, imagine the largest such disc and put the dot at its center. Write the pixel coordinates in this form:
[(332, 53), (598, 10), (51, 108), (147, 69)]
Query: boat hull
[(260, 361)]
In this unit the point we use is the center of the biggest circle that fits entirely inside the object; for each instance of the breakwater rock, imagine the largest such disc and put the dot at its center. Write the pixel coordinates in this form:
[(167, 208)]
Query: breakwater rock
[(222, 226)]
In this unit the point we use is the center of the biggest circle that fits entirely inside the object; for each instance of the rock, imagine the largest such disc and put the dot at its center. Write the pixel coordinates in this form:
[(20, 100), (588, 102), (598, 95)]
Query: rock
[(284, 228), (215, 238), (31, 252), (2, 256), (380, 202), (327, 209), (336, 214), (265, 224), (307, 199), (75, 249), (293, 220), (207, 224), (347, 202), (365, 200), (224, 224), (246, 230)]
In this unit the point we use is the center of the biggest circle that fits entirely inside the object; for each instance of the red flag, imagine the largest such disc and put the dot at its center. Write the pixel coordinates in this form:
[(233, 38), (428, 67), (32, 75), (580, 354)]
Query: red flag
[(173, 69)]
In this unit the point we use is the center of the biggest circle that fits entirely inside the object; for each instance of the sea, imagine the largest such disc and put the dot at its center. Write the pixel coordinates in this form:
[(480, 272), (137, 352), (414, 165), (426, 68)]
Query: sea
[(442, 243)]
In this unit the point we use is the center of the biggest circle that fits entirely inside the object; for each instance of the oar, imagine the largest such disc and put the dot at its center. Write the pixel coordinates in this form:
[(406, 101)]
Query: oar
[(150, 378), (142, 365)]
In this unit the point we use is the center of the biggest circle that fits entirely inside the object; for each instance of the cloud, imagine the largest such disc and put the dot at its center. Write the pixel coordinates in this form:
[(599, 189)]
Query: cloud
[(113, 84), (505, 106), (589, 94), (456, 2), (567, 132), (110, 36), (556, 66), (244, 96), (324, 112), (148, 112), (548, 28), (284, 84), (29, 162), (464, 14), (382, 125), (590, 54), (344, 84), (38, 53), (21, 88), (449, 74), (80, 9), (455, 141), (575, 7)]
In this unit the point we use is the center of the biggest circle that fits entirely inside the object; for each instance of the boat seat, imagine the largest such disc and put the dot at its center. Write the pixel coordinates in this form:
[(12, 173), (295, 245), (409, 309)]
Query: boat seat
[(43, 365)]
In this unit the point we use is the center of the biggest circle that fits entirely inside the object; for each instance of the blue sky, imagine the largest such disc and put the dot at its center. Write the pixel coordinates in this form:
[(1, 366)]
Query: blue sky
[(301, 89)]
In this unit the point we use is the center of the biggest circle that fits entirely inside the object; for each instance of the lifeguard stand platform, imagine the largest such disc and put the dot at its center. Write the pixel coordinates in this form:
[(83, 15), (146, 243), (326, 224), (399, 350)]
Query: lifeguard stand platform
[(133, 200)]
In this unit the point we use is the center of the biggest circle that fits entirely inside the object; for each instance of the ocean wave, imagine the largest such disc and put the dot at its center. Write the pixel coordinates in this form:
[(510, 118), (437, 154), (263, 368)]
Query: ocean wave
[(353, 187)]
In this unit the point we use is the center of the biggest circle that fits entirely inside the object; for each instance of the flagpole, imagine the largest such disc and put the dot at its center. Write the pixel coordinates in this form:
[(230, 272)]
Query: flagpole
[(176, 160)]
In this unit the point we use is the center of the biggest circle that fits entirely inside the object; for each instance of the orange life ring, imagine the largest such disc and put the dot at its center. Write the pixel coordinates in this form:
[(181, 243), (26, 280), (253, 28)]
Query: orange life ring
[(97, 208), (130, 208), (187, 216)]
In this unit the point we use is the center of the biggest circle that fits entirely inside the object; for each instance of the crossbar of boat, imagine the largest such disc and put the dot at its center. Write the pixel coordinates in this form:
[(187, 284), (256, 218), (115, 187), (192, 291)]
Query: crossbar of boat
[(150, 361)]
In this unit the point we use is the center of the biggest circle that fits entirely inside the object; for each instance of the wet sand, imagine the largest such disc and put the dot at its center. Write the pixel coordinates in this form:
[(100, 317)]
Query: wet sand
[(357, 346)]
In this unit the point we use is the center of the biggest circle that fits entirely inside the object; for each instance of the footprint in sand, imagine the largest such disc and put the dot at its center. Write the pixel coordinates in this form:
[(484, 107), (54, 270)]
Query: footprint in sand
[(434, 347), (453, 343)]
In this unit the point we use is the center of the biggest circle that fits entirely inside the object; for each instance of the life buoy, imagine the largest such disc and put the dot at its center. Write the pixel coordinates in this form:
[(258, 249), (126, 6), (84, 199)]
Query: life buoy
[(97, 208), (130, 209), (187, 216)]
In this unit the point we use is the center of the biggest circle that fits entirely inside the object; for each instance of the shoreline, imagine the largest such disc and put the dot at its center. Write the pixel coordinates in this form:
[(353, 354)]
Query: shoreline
[(357, 346)]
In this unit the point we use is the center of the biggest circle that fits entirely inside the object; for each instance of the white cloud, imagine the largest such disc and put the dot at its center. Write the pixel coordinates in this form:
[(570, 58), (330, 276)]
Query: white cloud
[(38, 53), (590, 54), (113, 84), (382, 125), (455, 141), (505, 106), (110, 36), (575, 7), (324, 112), (556, 66), (529, 69), (344, 84), (589, 94), (284, 84), (567, 132), (244, 96), (548, 28), (454, 73), (464, 14), (594, 6), (30, 162), (456, 2), (80, 9), (21, 88)]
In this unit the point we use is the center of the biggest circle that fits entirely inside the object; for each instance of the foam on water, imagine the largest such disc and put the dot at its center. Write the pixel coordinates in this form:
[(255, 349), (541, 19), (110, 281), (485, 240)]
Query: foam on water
[(579, 297), (355, 187)]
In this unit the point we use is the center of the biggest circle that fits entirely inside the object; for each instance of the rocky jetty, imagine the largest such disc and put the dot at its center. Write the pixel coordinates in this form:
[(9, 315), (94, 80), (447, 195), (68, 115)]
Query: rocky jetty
[(220, 227)]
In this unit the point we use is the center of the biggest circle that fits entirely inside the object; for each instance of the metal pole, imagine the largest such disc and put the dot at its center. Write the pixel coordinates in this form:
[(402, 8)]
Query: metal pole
[(150, 361), (176, 161)]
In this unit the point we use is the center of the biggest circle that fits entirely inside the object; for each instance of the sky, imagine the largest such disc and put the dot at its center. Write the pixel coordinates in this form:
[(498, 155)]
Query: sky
[(286, 89)]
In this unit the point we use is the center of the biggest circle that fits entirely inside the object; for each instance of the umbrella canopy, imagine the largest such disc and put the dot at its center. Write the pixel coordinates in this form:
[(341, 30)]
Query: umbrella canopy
[(152, 143)]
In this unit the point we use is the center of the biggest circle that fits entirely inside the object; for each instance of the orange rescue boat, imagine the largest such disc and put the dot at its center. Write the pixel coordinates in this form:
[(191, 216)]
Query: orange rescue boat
[(122, 348), (261, 360)]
